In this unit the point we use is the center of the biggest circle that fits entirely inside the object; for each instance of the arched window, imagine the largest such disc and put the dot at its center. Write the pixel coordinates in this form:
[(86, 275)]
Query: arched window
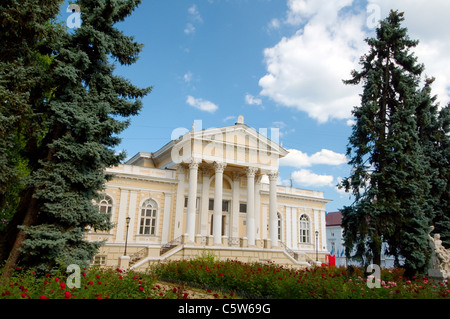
[(304, 229), (105, 204), (148, 217)]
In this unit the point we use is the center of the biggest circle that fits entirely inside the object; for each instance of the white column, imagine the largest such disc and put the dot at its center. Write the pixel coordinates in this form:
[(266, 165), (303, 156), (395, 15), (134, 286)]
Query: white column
[(166, 218), (273, 227), (179, 206), (294, 219), (288, 229), (192, 200), (251, 230), (132, 214), (258, 206), (217, 220), (323, 229), (204, 231), (235, 206), (121, 222)]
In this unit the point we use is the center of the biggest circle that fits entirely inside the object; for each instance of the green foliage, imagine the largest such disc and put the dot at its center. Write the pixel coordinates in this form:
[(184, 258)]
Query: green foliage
[(70, 115), (399, 166), (262, 280)]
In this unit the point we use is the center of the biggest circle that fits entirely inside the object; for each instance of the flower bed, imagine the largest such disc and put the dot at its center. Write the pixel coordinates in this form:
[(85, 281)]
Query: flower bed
[(95, 283), (256, 280), (222, 279)]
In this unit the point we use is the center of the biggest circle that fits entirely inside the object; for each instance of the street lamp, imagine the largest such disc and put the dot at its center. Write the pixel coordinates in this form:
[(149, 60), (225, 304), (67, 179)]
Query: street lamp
[(126, 236), (317, 245)]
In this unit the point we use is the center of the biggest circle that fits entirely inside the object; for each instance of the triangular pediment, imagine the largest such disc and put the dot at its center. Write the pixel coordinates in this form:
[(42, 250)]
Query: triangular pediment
[(239, 145)]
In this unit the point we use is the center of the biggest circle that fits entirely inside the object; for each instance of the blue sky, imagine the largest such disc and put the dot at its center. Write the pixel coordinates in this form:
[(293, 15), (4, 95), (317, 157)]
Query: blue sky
[(279, 63)]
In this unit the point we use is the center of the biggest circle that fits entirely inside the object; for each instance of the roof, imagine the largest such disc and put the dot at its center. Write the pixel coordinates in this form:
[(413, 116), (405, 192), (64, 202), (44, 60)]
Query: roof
[(333, 219)]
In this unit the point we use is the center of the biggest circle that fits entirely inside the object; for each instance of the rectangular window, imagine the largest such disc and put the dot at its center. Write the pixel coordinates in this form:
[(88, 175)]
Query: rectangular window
[(225, 205), (242, 208), (100, 260)]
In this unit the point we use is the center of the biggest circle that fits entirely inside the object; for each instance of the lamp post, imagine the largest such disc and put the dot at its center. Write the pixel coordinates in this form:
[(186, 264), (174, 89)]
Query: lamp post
[(317, 245), (126, 236)]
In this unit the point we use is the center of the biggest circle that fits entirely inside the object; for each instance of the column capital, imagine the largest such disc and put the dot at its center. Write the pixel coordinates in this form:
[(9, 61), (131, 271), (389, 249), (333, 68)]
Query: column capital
[(236, 176), (251, 171), (219, 167), (273, 175), (206, 170), (194, 162)]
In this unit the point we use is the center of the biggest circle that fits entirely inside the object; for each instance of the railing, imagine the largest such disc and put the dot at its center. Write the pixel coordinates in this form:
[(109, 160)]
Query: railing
[(289, 251), (168, 246), (138, 255)]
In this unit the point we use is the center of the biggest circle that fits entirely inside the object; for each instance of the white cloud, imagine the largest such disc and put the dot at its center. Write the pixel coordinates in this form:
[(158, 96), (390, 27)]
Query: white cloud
[(251, 100), (194, 17), (228, 118), (306, 178), (189, 28), (201, 104), (427, 21), (298, 159), (187, 77), (194, 14), (305, 71)]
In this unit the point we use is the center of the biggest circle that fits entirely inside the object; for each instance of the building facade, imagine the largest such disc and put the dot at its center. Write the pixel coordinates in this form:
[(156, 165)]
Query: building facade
[(210, 191), (335, 243)]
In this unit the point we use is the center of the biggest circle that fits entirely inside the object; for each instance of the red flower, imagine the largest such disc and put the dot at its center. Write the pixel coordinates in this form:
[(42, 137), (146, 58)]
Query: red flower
[(56, 279), (63, 285), (43, 297), (90, 282), (67, 295), (141, 288)]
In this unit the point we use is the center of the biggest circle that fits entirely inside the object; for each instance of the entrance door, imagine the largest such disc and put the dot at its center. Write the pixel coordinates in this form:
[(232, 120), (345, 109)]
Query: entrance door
[(212, 225)]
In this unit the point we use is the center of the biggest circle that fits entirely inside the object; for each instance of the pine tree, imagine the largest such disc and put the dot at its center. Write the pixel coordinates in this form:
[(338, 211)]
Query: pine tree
[(82, 117), (389, 167)]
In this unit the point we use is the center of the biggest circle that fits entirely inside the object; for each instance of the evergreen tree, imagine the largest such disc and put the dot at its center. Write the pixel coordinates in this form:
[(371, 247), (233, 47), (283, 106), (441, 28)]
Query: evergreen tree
[(26, 28), (389, 177), (82, 117)]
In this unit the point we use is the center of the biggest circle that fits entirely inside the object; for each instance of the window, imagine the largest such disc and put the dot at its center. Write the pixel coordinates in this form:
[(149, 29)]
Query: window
[(105, 204), (242, 208), (148, 218), (304, 229), (100, 260), (186, 200), (279, 225), (225, 205)]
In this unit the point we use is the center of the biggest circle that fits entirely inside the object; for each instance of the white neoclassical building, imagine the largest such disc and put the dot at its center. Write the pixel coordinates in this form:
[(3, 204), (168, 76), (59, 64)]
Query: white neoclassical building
[(210, 191)]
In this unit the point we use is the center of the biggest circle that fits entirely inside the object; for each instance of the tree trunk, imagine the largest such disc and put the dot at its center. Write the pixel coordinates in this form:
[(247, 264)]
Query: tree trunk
[(28, 220)]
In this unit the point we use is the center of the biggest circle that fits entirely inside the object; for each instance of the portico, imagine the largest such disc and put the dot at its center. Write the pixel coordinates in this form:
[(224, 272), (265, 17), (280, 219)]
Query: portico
[(215, 171)]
